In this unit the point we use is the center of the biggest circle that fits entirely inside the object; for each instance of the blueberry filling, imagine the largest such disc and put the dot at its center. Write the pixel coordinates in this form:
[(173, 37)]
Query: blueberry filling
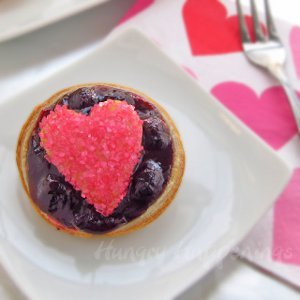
[(56, 197)]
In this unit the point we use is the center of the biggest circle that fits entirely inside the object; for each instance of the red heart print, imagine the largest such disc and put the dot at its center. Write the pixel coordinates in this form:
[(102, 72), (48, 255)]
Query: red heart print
[(210, 30), (97, 153), (269, 115)]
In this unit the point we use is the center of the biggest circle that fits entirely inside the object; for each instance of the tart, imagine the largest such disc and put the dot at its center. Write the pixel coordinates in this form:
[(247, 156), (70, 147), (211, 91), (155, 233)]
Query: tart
[(100, 159)]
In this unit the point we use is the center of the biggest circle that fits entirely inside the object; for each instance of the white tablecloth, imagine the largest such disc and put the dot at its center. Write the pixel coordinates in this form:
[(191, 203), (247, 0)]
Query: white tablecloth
[(50, 49)]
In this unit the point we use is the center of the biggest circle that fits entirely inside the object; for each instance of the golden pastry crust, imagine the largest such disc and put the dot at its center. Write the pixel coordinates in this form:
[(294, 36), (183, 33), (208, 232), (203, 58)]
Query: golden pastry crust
[(153, 212)]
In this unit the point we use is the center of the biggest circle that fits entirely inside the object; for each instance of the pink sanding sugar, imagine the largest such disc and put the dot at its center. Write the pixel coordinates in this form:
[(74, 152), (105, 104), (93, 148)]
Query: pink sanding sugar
[(97, 153)]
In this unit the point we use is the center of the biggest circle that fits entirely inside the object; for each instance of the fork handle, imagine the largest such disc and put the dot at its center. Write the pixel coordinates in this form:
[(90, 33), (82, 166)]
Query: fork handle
[(279, 73)]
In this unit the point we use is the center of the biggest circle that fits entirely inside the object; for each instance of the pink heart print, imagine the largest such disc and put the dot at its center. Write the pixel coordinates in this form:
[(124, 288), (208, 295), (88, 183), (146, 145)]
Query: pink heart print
[(269, 115), (295, 47), (191, 72), (286, 234)]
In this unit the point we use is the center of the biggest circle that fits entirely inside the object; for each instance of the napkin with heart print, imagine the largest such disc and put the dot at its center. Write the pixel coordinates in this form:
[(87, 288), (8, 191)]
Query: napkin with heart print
[(203, 36)]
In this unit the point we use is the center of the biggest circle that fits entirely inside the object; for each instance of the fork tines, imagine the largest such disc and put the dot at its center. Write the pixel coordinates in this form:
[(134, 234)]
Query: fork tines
[(259, 34)]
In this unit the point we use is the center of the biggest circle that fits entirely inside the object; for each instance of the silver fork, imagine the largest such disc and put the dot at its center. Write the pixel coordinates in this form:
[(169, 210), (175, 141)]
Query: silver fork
[(268, 52)]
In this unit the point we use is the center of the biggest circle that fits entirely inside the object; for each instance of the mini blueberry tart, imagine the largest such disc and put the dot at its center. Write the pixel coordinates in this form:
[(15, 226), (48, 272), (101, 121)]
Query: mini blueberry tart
[(100, 159)]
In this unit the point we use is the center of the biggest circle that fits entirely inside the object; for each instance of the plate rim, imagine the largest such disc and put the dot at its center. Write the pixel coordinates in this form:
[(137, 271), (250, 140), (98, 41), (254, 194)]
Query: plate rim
[(40, 23)]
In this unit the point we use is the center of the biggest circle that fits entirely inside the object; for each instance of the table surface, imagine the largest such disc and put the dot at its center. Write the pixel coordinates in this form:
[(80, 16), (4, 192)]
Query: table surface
[(50, 49)]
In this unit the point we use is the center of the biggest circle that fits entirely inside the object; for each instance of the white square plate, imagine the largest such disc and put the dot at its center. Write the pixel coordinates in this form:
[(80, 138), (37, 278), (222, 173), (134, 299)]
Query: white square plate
[(231, 179), (21, 16)]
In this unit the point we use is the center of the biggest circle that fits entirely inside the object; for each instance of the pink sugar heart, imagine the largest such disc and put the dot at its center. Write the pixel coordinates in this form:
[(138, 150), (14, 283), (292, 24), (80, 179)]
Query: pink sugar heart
[(97, 153), (269, 115), (295, 47)]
